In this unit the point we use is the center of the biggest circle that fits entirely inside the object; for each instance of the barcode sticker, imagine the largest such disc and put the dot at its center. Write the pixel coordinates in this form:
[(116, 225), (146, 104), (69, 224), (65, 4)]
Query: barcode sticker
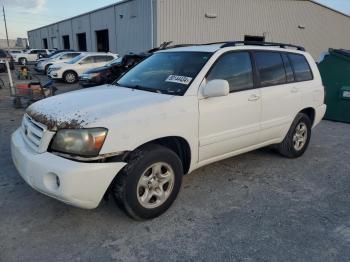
[(184, 80)]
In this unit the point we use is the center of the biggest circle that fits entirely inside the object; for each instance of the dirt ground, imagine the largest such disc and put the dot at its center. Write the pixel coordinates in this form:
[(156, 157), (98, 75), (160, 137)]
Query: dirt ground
[(255, 207)]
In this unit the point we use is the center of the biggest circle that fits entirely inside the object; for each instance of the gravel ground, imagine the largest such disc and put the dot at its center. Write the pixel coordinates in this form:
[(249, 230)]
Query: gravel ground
[(254, 207)]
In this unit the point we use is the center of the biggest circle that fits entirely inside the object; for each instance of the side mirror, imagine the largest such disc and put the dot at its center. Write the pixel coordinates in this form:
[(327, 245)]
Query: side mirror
[(216, 88)]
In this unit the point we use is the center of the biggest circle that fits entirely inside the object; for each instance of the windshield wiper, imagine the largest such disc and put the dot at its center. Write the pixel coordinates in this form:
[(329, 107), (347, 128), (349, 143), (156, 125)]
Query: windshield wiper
[(142, 88)]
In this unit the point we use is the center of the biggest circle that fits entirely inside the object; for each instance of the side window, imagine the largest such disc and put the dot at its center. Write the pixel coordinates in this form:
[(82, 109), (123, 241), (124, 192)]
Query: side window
[(236, 68), (270, 68), (34, 52), (288, 68), (88, 60), (301, 67)]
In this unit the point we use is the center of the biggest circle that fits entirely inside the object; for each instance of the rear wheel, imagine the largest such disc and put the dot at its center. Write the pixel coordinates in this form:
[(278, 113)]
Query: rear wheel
[(70, 77), (298, 138), (150, 183)]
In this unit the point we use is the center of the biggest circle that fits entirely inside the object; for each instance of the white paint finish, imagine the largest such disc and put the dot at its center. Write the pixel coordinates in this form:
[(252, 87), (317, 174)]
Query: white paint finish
[(35, 169), (215, 128), (228, 123)]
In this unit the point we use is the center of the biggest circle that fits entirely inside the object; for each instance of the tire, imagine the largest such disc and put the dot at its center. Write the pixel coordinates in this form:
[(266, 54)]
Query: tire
[(134, 188), (295, 143), (70, 77), (23, 61)]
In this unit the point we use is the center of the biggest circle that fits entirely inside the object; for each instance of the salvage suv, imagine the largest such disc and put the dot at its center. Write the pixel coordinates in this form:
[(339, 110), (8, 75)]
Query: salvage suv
[(174, 112)]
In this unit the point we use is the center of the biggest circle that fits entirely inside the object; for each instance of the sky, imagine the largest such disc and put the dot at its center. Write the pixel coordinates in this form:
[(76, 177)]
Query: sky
[(24, 15)]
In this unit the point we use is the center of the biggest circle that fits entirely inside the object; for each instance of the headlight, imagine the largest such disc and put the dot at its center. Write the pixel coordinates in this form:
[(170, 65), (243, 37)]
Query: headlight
[(81, 142)]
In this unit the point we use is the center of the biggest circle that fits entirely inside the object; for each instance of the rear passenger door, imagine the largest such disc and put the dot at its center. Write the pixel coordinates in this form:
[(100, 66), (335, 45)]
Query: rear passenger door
[(230, 123), (281, 99)]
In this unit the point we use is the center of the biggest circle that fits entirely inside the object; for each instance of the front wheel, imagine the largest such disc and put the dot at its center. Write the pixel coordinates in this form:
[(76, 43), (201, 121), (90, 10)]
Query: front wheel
[(298, 138), (150, 183), (70, 77)]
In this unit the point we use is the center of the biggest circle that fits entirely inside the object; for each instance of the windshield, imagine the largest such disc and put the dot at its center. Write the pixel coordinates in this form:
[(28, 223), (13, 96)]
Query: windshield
[(56, 55), (114, 61), (167, 73), (75, 59)]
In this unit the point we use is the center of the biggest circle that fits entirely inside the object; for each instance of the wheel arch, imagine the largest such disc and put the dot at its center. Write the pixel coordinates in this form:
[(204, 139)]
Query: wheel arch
[(311, 113), (177, 144)]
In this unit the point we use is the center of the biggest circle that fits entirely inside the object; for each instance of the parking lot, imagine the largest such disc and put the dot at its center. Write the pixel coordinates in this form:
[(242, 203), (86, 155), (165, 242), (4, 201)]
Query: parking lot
[(255, 207)]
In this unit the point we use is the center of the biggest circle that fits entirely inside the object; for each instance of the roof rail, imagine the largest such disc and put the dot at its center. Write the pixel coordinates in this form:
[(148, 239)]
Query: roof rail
[(281, 45)]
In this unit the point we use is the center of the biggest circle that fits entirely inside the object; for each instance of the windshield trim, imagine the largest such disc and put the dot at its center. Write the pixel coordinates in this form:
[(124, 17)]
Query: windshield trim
[(182, 93)]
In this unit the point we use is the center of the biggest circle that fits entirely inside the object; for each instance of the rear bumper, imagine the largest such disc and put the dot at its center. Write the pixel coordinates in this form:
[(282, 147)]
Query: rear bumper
[(75, 183), (319, 114)]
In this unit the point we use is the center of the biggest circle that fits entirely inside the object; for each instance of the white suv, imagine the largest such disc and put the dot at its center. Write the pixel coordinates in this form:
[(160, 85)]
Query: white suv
[(73, 69), (43, 64), (29, 56), (178, 110)]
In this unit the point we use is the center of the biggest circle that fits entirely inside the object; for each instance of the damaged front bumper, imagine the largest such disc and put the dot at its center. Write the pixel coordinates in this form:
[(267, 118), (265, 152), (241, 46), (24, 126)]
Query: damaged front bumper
[(75, 183)]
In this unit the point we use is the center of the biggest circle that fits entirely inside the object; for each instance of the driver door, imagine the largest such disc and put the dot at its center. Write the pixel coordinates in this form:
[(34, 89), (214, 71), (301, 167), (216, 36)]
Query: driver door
[(230, 123)]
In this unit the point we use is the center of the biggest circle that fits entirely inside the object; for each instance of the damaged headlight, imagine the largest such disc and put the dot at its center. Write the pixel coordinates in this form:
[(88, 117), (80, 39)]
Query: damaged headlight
[(80, 142)]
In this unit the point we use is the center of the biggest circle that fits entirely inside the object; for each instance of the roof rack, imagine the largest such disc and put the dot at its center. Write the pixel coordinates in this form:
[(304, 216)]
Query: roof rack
[(281, 45)]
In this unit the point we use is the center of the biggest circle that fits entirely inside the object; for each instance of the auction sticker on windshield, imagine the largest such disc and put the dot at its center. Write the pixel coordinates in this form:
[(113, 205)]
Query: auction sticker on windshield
[(179, 79)]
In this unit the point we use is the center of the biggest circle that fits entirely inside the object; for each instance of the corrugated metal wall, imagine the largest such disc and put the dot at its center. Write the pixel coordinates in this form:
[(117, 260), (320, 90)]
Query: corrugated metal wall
[(185, 21), (129, 27)]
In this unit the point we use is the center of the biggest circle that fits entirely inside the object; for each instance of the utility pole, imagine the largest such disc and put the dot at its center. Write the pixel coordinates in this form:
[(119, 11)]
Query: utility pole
[(7, 36)]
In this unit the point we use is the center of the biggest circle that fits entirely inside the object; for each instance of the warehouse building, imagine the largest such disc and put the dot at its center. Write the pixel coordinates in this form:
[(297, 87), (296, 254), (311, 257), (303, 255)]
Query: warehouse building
[(138, 25)]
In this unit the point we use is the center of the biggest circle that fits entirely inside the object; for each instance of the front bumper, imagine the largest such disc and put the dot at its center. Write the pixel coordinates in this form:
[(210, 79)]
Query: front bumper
[(75, 183), (56, 75)]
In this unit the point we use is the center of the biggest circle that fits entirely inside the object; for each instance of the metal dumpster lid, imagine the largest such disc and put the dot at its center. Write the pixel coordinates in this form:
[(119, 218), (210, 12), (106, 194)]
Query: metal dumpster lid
[(342, 52)]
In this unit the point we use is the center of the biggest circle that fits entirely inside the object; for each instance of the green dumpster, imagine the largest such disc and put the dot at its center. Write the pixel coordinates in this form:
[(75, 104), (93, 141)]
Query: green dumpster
[(335, 72)]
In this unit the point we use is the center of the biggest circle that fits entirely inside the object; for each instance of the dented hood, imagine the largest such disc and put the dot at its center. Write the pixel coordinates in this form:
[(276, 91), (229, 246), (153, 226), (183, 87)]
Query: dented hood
[(86, 107)]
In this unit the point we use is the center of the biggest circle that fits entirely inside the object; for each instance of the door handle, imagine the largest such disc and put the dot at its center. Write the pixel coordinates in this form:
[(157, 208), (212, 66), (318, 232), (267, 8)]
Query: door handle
[(294, 90), (253, 98)]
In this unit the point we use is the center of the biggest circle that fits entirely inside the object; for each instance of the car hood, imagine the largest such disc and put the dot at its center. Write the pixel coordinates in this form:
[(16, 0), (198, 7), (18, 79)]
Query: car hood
[(89, 107)]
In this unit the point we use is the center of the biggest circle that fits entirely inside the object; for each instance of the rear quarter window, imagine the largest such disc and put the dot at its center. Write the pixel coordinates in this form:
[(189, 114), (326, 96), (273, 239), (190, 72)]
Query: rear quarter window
[(301, 67)]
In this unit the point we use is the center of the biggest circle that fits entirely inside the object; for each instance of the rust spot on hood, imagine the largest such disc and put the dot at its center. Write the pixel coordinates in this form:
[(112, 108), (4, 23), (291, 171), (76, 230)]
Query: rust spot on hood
[(54, 124)]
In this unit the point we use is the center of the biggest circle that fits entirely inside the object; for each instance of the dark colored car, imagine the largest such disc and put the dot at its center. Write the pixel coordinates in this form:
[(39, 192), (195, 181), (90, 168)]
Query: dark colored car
[(113, 70), (110, 72), (5, 56)]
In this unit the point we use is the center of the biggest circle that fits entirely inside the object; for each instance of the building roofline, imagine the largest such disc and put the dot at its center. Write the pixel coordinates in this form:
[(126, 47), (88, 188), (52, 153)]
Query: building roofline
[(86, 13), (329, 8), (125, 1)]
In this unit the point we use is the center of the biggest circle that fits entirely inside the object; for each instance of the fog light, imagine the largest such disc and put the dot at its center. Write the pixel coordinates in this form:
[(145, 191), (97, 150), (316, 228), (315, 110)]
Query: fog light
[(52, 181), (58, 182)]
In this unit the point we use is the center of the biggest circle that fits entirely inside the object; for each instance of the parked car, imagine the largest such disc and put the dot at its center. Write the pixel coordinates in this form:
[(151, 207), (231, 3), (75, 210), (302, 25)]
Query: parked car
[(5, 56), (30, 55), (52, 53), (108, 73), (14, 51), (71, 70), (174, 112), (43, 64)]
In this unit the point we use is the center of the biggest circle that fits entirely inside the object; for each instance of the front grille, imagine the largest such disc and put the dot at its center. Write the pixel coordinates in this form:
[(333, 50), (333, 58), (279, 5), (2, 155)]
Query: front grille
[(35, 134)]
